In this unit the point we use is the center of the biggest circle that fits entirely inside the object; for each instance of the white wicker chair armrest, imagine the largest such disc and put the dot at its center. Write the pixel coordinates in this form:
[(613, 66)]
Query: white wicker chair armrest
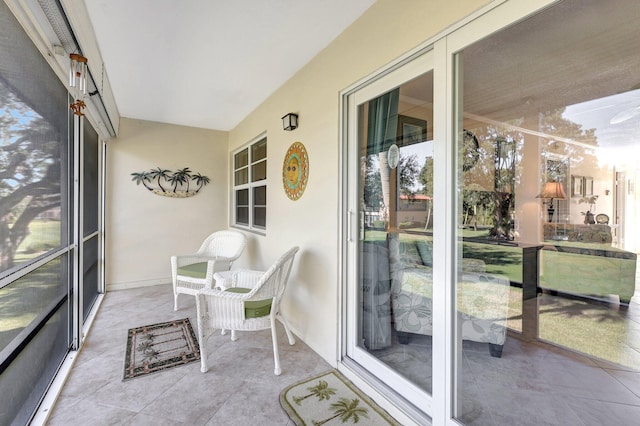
[(246, 278), (214, 265)]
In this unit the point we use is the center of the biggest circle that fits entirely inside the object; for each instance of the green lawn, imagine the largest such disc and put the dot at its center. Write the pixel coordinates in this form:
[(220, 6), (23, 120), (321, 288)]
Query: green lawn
[(26, 298), (582, 274), (43, 235), (597, 330)]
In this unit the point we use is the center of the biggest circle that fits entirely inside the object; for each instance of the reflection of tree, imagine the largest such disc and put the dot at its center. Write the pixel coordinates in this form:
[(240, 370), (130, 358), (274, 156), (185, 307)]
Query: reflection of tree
[(426, 179), (372, 193), (504, 184), (577, 155), (426, 176), (477, 204), (554, 124), (489, 185), (499, 167), (408, 172), (29, 172)]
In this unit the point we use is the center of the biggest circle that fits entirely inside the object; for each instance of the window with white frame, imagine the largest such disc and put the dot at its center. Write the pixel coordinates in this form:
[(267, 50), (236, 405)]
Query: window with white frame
[(250, 186)]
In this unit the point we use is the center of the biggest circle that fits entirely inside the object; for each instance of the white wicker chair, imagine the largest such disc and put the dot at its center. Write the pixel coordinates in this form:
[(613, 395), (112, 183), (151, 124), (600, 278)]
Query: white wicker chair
[(251, 304), (194, 272)]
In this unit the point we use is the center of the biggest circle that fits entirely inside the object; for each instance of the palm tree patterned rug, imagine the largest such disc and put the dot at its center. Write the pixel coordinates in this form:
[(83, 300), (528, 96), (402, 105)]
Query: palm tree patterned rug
[(157, 347), (331, 399)]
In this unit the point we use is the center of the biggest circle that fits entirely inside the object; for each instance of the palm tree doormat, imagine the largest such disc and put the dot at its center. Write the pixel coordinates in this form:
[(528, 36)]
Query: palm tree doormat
[(157, 347), (331, 399)]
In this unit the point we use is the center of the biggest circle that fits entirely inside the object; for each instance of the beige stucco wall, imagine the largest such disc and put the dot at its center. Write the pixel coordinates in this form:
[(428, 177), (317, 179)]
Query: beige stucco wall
[(386, 31), (143, 229)]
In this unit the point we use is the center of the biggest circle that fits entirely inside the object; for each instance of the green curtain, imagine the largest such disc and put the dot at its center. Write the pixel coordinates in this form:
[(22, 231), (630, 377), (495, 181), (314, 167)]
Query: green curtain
[(383, 122), (376, 283)]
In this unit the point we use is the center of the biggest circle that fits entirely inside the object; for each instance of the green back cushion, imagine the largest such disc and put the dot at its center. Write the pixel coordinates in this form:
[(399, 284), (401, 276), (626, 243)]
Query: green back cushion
[(425, 252), (253, 308), (195, 270)]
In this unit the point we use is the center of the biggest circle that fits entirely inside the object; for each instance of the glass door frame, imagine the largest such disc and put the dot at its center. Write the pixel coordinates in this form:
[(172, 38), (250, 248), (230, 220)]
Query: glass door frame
[(413, 67), (502, 16), (441, 406)]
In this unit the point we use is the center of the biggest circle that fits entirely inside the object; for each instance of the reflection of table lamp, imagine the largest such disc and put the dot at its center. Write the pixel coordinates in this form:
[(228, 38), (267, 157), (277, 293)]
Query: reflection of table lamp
[(552, 190)]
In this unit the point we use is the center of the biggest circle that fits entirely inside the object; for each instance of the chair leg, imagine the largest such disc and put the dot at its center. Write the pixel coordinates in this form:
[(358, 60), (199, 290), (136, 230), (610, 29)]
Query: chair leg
[(202, 337), (276, 357), (292, 340), (175, 301), (233, 334)]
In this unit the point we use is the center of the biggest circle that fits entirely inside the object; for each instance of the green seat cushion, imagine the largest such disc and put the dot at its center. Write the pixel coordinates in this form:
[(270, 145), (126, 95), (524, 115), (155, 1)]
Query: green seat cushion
[(253, 308), (195, 270)]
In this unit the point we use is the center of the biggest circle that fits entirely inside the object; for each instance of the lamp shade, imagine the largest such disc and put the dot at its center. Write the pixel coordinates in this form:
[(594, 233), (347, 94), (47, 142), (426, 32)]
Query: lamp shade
[(290, 121), (553, 190)]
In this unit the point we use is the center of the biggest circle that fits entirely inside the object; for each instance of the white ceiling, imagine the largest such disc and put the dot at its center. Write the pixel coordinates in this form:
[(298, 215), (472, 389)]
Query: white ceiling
[(209, 63)]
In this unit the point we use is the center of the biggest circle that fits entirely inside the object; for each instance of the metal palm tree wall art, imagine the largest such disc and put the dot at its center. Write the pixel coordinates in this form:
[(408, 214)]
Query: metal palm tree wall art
[(171, 184)]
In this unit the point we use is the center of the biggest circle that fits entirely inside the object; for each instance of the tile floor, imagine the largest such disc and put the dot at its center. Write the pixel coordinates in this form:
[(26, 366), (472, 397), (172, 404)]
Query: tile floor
[(532, 384), (536, 384), (239, 388)]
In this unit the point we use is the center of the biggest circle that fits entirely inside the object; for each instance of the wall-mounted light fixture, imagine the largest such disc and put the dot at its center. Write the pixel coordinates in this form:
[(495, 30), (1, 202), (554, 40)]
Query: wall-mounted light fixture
[(552, 190), (290, 121), (78, 82)]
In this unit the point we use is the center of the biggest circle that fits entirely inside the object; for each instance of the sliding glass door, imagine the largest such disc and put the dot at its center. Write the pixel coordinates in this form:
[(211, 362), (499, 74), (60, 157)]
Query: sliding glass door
[(90, 218), (390, 229), (547, 241), (492, 267), (44, 294), (36, 211)]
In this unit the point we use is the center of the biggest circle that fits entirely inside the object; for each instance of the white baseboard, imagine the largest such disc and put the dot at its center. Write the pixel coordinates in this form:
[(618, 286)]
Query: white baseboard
[(137, 284)]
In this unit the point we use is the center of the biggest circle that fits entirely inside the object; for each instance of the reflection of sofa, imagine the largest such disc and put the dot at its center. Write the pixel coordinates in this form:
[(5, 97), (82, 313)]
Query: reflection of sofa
[(585, 271), (482, 298), (376, 306), (591, 233)]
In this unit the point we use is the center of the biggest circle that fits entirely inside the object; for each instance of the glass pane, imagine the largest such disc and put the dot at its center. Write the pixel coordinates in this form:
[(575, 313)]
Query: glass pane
[(260, 196), (548, 209), (90, 274), (242, 215), (242, 207), (259, 171), (241, 159), (33, 162), (241, 177), (28, 376), (259, 150), (260, 217), (29, 297), (242, 197), (395, 190), (91, 189), (35, 182)]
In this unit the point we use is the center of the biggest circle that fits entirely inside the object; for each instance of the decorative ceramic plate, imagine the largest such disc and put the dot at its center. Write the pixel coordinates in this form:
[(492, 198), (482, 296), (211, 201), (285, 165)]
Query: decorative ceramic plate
[(295, 171)]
